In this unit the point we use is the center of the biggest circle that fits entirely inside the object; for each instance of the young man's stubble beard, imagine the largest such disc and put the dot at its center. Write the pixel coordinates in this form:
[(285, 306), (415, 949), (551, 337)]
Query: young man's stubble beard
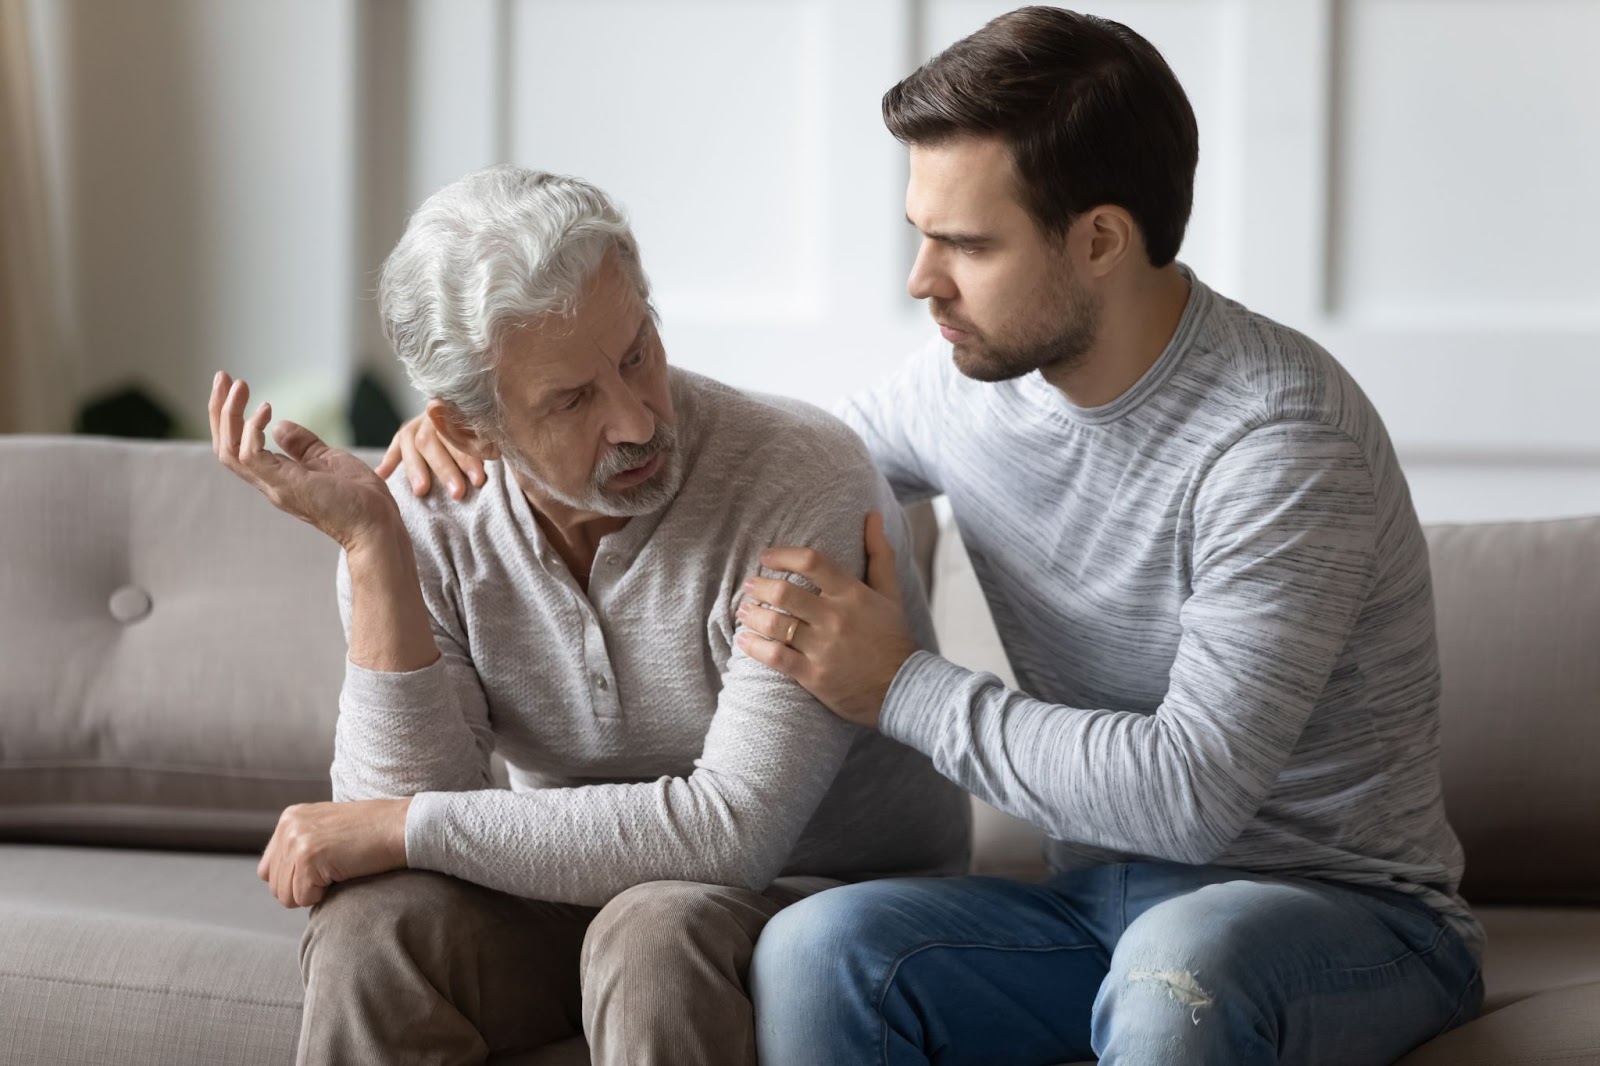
[(1057, 342)]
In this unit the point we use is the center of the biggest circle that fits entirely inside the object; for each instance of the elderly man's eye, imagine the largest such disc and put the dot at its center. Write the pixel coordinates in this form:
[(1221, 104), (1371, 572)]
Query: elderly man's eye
[(635, 359), (572, 404)]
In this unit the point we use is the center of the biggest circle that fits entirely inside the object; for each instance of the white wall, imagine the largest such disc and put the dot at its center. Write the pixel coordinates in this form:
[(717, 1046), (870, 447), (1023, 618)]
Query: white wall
[(201, 153), (1410, 181)]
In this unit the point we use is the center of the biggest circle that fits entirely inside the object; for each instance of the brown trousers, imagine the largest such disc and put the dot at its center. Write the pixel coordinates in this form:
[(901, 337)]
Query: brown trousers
[(418, 967)]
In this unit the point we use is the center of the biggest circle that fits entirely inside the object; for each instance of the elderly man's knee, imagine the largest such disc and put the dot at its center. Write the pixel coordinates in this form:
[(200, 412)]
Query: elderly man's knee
[(371, 918), (673, 923)]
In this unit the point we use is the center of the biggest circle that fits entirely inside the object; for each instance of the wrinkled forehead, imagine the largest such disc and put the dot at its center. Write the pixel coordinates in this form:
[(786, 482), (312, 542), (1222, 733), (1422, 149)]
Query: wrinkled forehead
[(556, 351)]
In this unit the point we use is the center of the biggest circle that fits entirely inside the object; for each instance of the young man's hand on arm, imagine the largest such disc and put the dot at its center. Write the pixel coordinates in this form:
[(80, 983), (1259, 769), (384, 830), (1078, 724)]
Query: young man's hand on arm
[(844, 643)]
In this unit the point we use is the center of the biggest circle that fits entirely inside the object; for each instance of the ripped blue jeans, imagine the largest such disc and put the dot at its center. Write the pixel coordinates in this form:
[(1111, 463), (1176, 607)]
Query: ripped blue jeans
[(1143, 963)]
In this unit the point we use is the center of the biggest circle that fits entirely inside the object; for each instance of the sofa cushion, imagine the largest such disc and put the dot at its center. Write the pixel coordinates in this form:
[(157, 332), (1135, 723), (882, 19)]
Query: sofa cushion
[(1556, 1027), (170, 645), (144, 957), (1536, 949), (1519, 644)]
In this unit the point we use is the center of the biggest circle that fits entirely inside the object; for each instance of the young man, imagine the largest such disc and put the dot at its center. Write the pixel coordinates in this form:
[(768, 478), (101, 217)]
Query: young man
[(578, 616), (1203, 562)]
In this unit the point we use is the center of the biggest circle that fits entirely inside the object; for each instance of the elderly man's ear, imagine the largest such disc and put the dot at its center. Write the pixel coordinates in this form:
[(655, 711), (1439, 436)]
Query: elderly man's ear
[(453, 429)]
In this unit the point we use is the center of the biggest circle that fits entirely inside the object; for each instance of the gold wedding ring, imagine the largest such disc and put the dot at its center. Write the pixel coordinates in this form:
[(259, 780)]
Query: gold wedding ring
[(794, 626)]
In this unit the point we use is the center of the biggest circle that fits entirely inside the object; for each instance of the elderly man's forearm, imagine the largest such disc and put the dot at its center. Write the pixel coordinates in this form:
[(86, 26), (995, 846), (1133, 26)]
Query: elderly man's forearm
[(389, 628)]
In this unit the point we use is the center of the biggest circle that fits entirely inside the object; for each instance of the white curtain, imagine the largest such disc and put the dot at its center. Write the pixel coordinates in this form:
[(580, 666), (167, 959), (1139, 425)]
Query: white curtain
[(31, 354)]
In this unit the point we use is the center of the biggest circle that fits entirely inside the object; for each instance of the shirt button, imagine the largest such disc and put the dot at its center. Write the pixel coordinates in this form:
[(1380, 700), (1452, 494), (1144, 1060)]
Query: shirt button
[(600, 682), (611, 560)]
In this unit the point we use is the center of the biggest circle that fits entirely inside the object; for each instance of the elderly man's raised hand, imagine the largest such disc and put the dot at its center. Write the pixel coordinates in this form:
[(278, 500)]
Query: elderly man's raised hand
[(329, 488)]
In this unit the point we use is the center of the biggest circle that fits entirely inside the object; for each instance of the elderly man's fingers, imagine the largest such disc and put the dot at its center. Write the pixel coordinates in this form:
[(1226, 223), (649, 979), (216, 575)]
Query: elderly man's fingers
[(231, 422), (298, 442), (783, 628), (881, 573), (303, 885), (255, 433), (776, 592), (283, 881), (780, 657), (811, 564), (219, 391), (275, 875)]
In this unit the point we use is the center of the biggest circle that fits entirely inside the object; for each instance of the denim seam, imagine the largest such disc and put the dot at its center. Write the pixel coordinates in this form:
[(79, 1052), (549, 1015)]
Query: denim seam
[(1461, 1004), (1438, 937), (900, 960)]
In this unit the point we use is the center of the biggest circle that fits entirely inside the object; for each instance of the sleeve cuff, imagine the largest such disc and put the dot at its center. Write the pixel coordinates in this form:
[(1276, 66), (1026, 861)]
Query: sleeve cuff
[(919, 700), (425, 835)]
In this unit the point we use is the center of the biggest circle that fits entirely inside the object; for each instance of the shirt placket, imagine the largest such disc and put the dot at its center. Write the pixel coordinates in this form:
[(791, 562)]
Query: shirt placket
[(596, 674)]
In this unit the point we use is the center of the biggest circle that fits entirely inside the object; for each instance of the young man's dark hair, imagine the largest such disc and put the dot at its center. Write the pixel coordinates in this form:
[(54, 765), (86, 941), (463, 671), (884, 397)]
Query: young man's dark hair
[(1092, 113)]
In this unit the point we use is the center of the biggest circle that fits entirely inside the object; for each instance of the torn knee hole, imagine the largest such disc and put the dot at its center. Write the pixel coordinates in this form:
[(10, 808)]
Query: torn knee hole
[(1181, 986)]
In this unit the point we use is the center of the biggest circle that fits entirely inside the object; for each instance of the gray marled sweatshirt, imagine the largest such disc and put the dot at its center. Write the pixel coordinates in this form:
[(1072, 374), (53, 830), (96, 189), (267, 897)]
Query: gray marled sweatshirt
[(1215, 596), (643, 744)]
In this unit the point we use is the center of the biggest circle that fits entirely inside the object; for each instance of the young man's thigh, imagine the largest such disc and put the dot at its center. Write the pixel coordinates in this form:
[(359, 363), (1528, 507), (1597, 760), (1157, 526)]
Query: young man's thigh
[(910, 969), (1107, 961)]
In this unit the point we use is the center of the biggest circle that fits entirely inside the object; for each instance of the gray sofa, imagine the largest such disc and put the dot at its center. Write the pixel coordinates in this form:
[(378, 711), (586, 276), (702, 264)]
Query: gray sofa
[(170, 656)]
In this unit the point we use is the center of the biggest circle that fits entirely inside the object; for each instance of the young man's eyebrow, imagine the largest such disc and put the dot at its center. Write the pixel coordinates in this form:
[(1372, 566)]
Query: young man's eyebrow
[(949, 238)]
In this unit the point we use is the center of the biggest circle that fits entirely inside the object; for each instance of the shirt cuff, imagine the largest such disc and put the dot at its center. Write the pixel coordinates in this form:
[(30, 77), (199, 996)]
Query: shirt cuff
[(920, 700), (425, 835)]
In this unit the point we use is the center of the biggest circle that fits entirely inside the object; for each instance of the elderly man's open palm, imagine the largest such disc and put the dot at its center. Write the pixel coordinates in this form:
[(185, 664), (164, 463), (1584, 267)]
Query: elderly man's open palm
[(329, 488)]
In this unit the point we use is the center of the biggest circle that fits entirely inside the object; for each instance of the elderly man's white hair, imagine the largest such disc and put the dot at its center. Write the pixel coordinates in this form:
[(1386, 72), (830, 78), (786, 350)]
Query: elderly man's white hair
[(486, 252)]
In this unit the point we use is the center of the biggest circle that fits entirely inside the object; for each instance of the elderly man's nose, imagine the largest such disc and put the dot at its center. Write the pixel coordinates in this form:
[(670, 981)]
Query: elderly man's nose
[(632, 420)]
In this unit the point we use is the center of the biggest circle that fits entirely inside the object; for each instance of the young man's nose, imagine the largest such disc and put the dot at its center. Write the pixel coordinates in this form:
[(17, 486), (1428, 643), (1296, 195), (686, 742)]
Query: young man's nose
[(928, 278)]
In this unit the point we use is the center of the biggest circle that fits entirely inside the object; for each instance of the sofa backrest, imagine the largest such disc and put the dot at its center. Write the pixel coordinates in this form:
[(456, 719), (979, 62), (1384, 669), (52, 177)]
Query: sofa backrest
[(1519, 644), (170, 648)]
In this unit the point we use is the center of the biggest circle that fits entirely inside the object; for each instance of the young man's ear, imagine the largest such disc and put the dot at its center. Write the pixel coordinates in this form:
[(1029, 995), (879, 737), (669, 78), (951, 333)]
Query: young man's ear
[(1111, 235), (453, 430)]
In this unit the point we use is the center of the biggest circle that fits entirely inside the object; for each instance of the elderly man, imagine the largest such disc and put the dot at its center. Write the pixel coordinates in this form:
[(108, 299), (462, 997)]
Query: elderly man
[(581, 616)]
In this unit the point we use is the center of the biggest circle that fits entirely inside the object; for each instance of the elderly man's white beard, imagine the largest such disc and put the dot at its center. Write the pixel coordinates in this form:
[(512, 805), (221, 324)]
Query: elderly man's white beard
[(636, 500)]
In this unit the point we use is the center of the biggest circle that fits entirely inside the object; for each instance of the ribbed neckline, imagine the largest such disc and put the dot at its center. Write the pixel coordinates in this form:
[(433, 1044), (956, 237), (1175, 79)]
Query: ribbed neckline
[(1195, 312)]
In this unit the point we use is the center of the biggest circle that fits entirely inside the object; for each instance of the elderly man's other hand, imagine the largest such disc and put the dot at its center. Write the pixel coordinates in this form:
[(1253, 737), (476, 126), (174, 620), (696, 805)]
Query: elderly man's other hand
[(426, 456), (317, 844), (843, 646), (329, 488)]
